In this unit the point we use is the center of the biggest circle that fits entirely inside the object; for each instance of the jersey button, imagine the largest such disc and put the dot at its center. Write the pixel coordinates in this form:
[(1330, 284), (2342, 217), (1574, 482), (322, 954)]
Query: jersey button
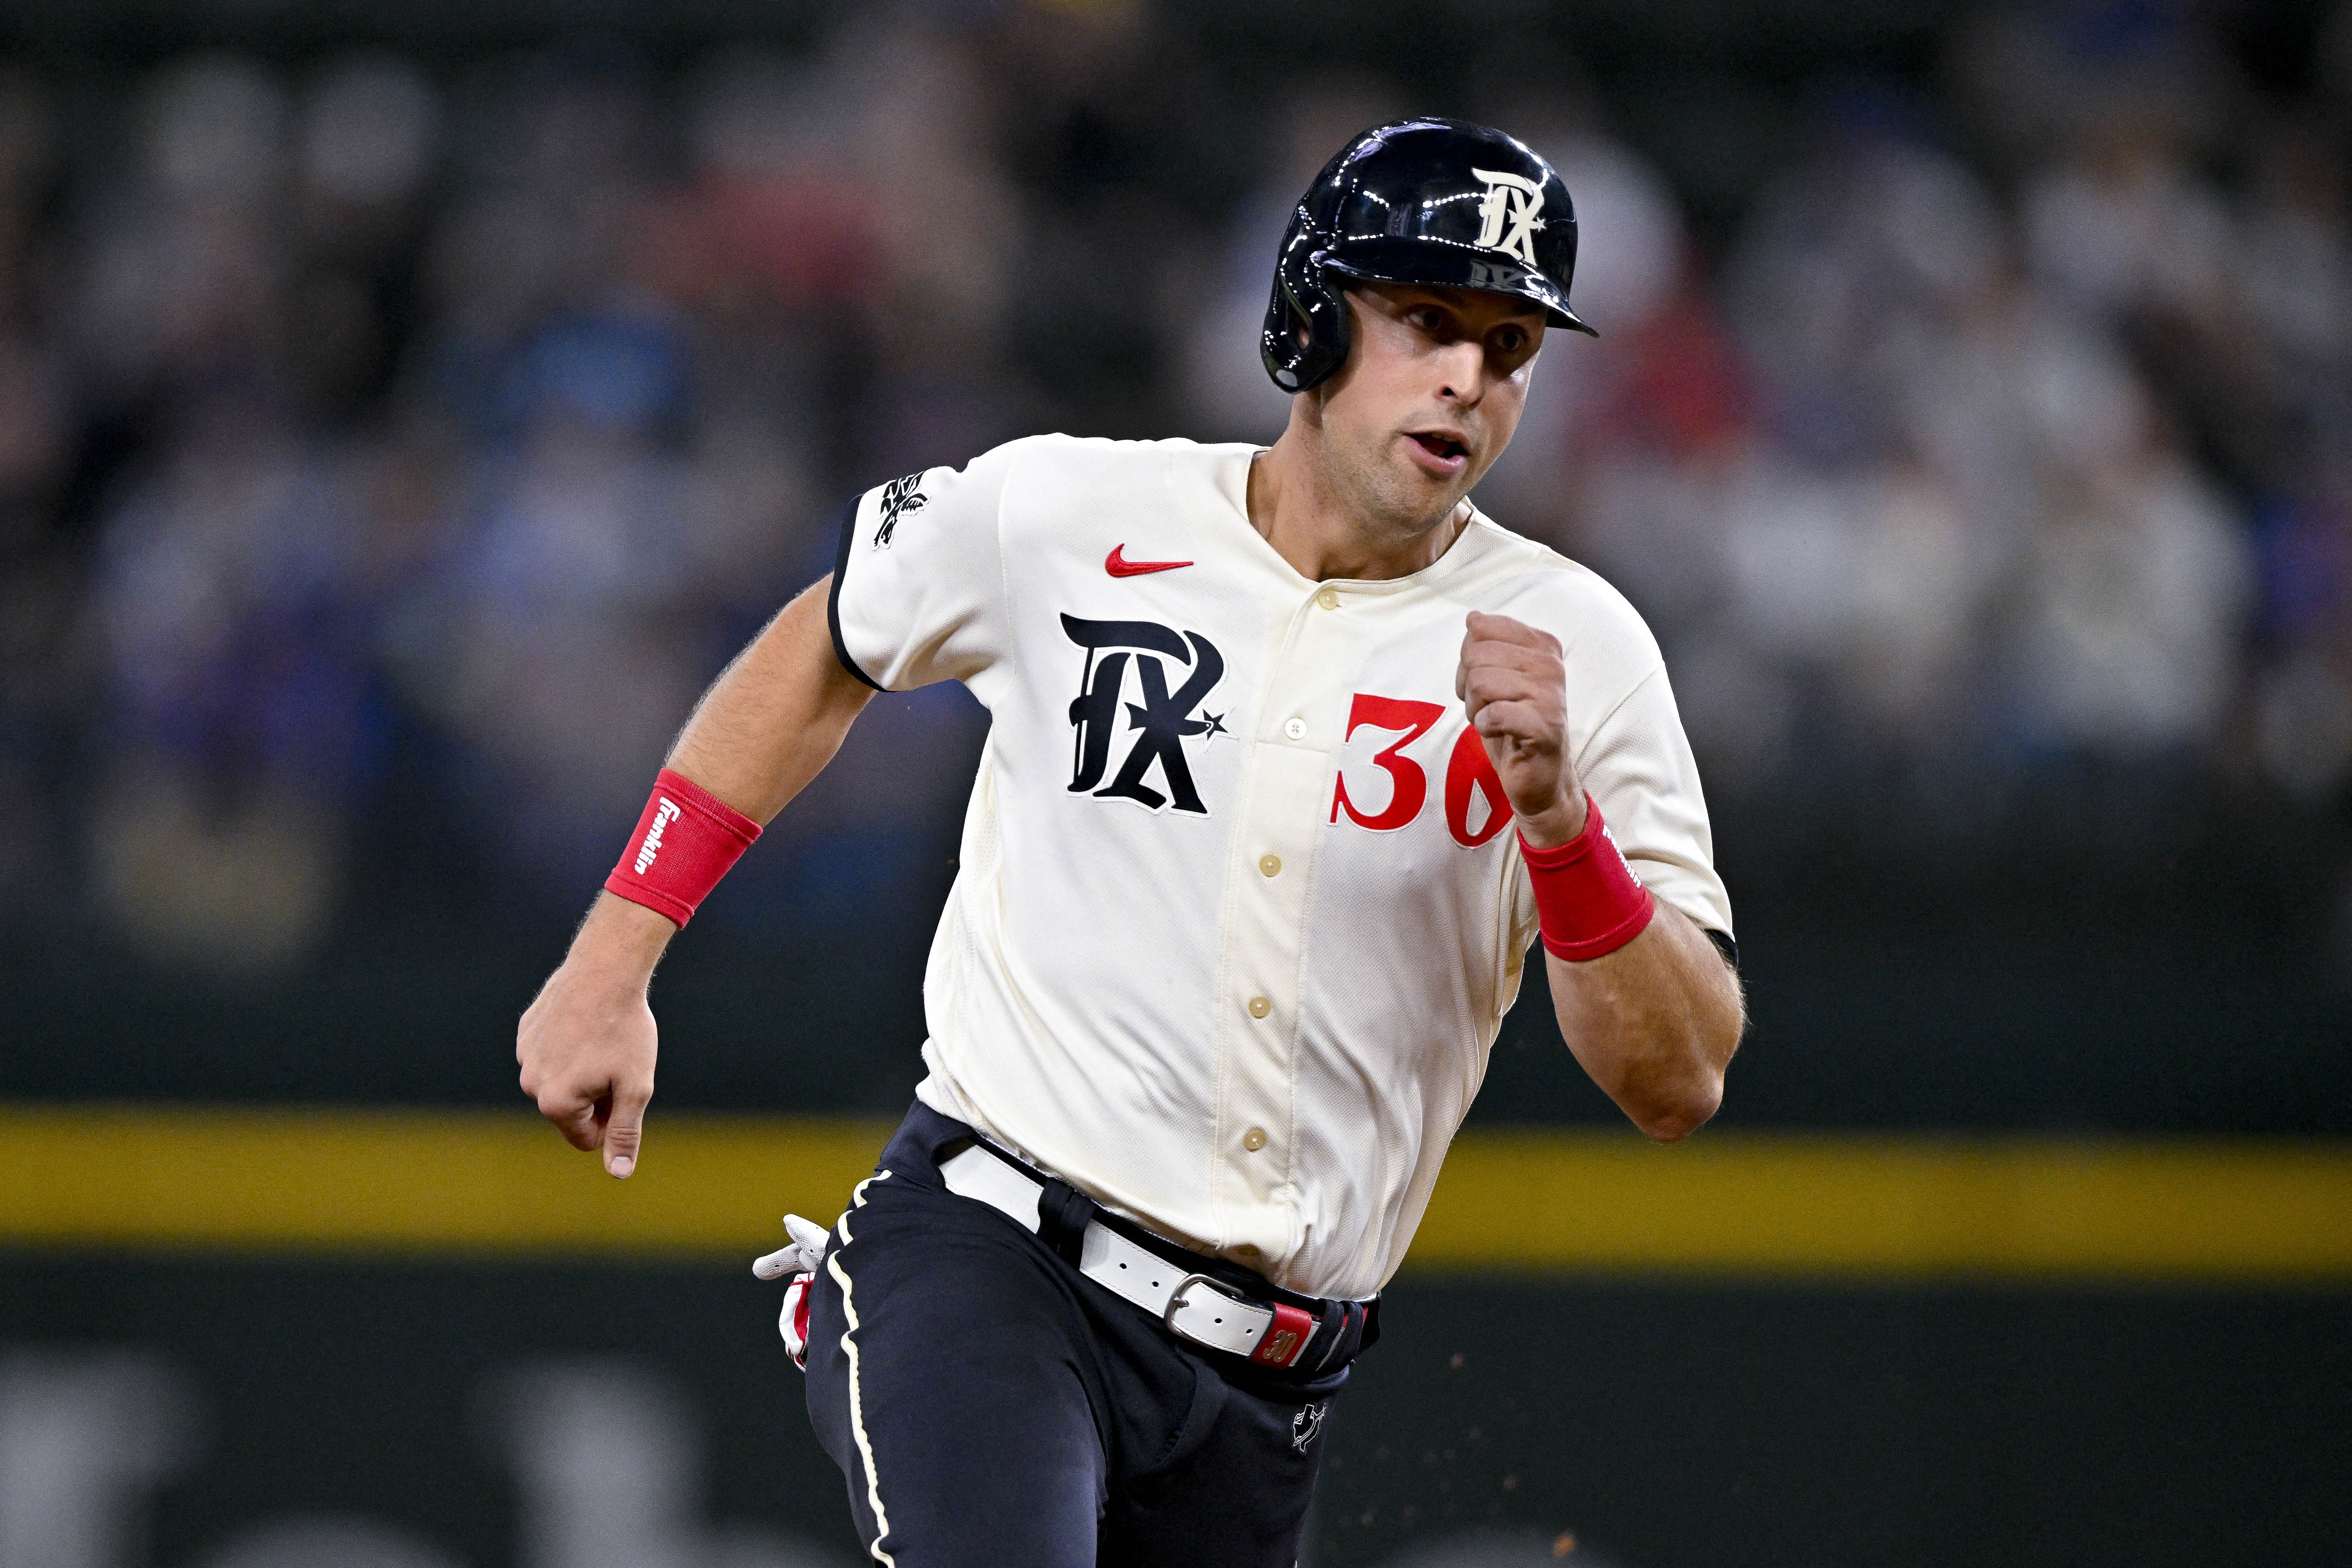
[(1259, 1006), (1254, 1140), (1269, 864), (1294, 728), (1329, 598)]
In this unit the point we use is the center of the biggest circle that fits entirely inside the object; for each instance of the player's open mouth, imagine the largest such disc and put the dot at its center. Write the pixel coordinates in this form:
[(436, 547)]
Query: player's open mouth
[(1445, 453)]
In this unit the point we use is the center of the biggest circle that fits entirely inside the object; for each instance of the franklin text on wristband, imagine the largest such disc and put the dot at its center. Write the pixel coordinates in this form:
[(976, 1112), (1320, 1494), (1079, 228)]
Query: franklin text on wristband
[(687, 840)]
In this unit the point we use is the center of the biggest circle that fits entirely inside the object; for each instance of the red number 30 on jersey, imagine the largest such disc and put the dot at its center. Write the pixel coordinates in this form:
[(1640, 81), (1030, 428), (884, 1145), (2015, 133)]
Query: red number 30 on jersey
[(1468, 772)]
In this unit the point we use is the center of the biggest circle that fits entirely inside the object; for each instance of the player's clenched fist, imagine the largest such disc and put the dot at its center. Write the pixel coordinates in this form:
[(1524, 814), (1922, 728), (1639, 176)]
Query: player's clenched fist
[(1513, 687), (586, 1043)]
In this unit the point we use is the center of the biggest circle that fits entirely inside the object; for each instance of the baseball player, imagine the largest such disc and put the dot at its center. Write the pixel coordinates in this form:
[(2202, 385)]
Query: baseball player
[(1293, 755)]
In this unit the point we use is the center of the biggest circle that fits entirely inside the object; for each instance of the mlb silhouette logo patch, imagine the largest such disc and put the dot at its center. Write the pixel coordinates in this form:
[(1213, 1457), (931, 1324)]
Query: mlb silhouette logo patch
[(1306, 1424)]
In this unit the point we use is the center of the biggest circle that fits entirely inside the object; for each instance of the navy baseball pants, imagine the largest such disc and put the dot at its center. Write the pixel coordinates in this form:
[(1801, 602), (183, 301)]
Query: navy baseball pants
[(990, 1405)]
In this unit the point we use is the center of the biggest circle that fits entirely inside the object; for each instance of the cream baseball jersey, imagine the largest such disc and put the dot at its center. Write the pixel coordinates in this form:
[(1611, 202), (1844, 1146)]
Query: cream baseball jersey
[(1238, 910)]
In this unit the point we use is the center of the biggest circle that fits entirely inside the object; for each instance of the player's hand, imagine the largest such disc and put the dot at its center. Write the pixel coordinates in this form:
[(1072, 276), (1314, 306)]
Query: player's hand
[(1513, 686), (586, 1043)]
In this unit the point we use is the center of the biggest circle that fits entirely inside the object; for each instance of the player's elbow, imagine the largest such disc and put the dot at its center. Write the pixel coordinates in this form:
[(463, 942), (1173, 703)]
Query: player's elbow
[(1671, 1116), (1686, 1096)]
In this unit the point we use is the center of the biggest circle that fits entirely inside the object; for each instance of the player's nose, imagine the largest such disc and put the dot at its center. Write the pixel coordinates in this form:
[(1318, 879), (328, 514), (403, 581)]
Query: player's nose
[(1463, 376)]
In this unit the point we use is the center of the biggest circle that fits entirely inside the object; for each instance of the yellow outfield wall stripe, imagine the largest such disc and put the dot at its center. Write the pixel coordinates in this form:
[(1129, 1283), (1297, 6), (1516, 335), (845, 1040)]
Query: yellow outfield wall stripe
[(1887, 1206), (456, 1183), (417, 1180)]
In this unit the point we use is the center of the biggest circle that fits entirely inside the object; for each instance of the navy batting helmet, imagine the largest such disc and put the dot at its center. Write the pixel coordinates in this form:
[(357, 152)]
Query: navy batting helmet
[(1441, 202)]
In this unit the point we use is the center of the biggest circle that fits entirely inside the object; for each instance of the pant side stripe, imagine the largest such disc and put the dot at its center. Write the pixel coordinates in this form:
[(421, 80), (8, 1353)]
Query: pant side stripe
[(856, 1201), (856, 1398)]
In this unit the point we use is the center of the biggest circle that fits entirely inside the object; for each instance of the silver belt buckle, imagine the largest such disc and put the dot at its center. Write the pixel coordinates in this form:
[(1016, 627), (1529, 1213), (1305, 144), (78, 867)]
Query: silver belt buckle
[(1244, 1340), (1176, 1302)]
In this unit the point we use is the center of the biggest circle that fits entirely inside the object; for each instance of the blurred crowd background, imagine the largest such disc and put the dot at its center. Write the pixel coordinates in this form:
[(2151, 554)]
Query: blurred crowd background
[(396, 436)]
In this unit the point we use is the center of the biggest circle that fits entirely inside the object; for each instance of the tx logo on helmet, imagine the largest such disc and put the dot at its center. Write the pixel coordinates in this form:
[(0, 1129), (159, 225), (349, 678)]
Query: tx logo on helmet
[(1509, 214), (1164, 718)]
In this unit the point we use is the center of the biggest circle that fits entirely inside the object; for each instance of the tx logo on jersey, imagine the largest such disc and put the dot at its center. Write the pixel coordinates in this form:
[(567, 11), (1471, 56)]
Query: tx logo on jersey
[(1159, 722), (900, 497), (1508, 214)]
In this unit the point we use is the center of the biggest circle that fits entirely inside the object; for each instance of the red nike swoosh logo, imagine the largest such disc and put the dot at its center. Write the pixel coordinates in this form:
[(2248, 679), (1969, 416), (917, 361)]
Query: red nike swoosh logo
[(1118, 566)]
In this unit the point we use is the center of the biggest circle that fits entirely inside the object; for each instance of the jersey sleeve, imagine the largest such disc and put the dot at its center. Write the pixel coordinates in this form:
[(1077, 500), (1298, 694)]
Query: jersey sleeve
[(1638, 767), (919, 586)]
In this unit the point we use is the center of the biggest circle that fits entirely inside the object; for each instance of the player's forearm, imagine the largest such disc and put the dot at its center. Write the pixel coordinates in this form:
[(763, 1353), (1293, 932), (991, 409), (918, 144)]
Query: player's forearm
[(775, 716), (1654, 1022), (617, 947)]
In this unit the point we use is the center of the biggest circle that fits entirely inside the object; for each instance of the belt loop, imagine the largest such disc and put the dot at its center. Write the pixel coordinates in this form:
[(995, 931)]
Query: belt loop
[(1336, 1322), (1352, 1331), (1063, 1214)]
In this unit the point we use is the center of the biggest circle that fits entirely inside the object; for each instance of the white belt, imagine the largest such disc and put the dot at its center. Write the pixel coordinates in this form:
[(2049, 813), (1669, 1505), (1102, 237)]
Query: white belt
[(1194, 1305)]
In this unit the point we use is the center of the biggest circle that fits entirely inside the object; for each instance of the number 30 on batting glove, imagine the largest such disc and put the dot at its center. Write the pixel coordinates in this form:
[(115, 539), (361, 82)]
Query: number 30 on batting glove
[(801, 1261)]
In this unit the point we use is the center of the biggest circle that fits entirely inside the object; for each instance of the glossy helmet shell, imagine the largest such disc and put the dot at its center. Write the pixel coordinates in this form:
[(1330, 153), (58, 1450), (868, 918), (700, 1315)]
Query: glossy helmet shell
[(1439, 202)]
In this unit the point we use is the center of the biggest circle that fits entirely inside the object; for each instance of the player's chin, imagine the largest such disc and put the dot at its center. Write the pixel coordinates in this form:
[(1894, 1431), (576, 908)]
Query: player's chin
[(1431, 492)]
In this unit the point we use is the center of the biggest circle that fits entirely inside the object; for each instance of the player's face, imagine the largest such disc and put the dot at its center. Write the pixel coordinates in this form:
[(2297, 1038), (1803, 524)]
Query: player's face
[(1432, 391)]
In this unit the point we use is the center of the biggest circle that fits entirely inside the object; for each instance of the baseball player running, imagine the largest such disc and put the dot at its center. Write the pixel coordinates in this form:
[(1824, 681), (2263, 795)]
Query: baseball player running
[(1293, 755)]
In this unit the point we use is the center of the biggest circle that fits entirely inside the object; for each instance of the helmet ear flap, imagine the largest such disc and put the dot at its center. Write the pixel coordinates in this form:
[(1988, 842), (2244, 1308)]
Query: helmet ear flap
[(1303, 297)]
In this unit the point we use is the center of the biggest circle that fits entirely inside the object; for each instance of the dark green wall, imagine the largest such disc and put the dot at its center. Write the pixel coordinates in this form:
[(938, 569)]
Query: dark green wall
[(1666, 1427), (1850, 1031)]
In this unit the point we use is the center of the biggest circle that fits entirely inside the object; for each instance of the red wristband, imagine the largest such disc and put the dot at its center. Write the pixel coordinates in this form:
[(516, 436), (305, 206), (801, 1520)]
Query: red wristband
[(684, 842), (1588, 900)]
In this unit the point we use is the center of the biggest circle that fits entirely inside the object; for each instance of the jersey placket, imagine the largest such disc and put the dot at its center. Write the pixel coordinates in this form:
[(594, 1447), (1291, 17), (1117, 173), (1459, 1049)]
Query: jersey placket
[(1269, 877)]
